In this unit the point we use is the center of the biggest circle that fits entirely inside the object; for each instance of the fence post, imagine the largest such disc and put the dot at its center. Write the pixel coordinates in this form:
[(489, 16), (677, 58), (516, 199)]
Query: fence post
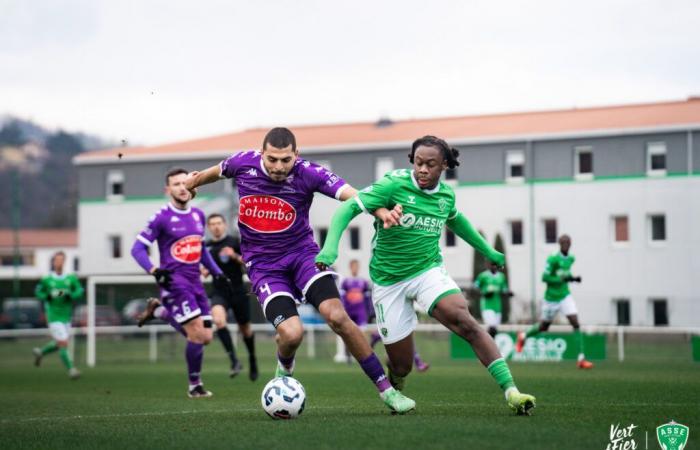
[(311, 347), (620, 343), (91, 342)]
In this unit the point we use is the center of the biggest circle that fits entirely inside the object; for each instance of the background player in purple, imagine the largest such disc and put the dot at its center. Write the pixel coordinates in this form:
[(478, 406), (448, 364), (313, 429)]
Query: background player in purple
[(275, 189), (356, 295), (179, 230)]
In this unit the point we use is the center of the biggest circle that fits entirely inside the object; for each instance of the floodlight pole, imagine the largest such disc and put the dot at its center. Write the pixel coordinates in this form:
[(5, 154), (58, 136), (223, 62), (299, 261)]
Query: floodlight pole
[(15, 231)]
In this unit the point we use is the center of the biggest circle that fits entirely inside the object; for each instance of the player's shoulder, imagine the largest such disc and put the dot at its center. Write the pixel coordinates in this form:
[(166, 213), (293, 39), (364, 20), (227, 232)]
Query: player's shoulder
[(306, 168), (160, 213), (400, 175)]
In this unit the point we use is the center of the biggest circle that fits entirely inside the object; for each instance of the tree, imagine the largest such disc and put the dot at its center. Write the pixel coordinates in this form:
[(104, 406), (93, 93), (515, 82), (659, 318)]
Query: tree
[(11, 134), (498, 245)]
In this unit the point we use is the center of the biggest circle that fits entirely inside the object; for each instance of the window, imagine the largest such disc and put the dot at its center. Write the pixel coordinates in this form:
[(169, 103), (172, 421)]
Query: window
[(583, 163), (354, 238), (550, 231), (656, 158), (516, 232), (325, 164), (622, 309), (7, 258), (515, 165), (115, 246), (451, 174), (450, 238), (382, 166), (115, 185), (660, 311), (657, 227), (621, 232), (322, 233), (76, 264)]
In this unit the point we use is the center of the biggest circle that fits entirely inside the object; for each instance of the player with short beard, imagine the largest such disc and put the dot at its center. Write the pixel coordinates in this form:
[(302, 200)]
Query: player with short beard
[(275, 189), (179, 231)]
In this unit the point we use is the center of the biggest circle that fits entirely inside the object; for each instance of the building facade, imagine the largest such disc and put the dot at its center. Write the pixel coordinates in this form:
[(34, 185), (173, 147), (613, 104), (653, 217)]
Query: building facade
[(623, 182)]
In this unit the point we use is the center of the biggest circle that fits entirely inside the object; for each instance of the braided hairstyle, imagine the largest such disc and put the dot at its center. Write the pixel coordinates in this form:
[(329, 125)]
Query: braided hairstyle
[(449, 154)]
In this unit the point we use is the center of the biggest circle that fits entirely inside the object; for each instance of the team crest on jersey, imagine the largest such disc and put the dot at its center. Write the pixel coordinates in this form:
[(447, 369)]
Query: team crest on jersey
[(442, 204), (188, 249), (266, 213)]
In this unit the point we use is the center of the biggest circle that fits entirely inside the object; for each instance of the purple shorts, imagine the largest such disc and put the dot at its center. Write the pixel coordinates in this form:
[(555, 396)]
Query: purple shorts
[(287, 275), (186, 299)]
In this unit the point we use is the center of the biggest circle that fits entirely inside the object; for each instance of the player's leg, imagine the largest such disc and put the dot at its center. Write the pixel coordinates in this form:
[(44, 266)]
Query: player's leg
[(549, 312), (401, 356), (199, 333), (322, 293), (568, 308), (440, 296), (61, 334), (218, 313), (241, 311), (281, 312), (48, 348)]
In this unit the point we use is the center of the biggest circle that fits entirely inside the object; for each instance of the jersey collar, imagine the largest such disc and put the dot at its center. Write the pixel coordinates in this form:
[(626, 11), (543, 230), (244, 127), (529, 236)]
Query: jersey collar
[(60, 277), (179, 211), (427, 191)]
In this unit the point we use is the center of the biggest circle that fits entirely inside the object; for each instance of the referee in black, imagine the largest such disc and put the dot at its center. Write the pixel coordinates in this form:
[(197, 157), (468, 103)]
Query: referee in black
[(226, 251)]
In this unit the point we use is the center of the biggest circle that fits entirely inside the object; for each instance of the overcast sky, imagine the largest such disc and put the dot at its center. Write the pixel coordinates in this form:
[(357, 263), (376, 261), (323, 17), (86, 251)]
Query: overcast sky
[(161, 71)]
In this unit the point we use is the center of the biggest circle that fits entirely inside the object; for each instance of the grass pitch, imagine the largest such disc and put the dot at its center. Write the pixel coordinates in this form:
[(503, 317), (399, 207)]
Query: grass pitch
[(127, 402)]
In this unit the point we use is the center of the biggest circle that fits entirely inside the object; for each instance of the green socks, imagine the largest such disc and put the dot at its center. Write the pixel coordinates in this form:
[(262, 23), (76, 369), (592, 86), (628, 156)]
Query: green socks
[(501, 373), (579, 337), (65, 357), (533, 331), (49, 348)]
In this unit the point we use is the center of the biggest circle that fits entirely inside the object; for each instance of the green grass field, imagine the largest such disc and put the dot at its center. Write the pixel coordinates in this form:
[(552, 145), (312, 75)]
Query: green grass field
[(127, 402)]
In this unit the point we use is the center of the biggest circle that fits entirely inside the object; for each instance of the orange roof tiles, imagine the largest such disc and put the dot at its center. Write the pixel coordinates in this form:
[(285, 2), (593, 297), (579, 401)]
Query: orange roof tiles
[(464, 127), (40, 238)]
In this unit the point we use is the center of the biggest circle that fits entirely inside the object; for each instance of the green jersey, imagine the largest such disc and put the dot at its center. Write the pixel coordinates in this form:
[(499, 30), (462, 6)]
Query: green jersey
[(58, 293), (491, 285), (555, 273), (406, 251)]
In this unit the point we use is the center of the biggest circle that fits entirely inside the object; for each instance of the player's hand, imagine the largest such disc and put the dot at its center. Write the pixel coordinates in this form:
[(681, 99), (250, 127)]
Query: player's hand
[(325, 259), (227, 251), (390, 218), (222, 284), (321, 266), (189, 183), (203, 271), (162, 276)]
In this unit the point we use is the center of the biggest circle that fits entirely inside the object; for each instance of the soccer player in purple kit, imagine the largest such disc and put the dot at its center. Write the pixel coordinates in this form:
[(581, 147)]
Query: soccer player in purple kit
[(275, 189), (179, 231)]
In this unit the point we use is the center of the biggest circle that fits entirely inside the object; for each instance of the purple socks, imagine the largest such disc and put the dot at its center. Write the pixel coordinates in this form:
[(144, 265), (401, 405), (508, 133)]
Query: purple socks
[(374, 370), (194, 353)]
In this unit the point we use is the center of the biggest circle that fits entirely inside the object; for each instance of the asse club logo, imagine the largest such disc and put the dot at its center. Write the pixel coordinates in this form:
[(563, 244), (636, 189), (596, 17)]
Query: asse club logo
[(672, 436)]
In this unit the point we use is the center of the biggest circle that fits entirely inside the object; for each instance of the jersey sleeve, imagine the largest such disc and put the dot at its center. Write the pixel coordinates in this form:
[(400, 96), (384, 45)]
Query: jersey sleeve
[(550, 271), (229, 166), (76, 289), (477, 281), (325, 181), (377, 195), (41, 292), (150, 234)]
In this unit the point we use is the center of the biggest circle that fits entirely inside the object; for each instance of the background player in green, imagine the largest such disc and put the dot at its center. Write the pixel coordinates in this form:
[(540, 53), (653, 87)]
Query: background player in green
[(59, 291), (557, 298), (492, 284), (407, 266)]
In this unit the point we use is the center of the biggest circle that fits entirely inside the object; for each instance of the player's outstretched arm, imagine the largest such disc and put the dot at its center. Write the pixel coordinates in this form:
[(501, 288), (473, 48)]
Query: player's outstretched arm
[(209, 263), (388, 217), (341, 219), (206, 176), (139, 251), (464, 229)]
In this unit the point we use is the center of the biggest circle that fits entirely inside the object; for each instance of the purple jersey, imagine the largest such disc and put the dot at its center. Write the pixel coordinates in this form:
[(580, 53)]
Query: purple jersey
[(273, 217), (179, 234), (355, 295)]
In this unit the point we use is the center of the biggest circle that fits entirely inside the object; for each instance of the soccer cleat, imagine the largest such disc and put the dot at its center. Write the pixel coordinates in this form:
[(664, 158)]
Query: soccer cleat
[(522, 404), (235, 369), (37, 356), (199, 392), (396, 381), (422, 366), (253, 375), (397, 402), (73, 373), (520, 342), (583, 364), (282, 372), (147, 314)]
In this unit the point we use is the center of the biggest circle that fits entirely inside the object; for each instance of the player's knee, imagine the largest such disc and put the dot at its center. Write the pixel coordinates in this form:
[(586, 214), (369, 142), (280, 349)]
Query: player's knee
[(245, 330), (402, 368), (337, 319), (62, 344), (220, 322), (291, 336)]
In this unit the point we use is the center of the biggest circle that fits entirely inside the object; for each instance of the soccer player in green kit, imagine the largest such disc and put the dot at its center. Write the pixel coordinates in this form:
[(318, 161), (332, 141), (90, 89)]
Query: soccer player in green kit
[(59, 291), (407, 265), (557, 298), (492, 284)]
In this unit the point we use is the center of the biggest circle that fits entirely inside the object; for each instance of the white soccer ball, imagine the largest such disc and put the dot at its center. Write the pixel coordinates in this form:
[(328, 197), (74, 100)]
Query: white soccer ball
[(283, 398)]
